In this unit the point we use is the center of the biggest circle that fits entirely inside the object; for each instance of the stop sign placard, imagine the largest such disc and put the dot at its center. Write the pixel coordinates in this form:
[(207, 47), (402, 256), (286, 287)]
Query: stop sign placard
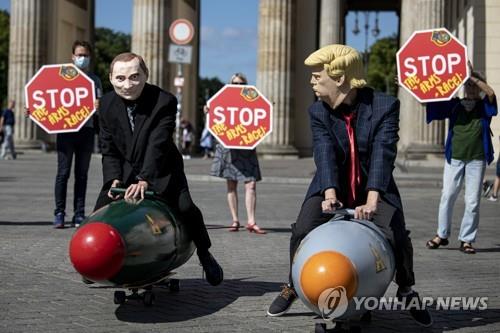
[(60, 98), (239, 116), (432, 65)]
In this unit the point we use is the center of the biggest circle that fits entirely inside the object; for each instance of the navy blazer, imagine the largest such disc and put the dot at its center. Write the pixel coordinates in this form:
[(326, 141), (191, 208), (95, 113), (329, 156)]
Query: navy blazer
[(377, 126)]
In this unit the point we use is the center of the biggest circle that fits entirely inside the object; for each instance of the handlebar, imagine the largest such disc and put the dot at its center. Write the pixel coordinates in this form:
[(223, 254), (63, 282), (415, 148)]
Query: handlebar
[(119, 190)]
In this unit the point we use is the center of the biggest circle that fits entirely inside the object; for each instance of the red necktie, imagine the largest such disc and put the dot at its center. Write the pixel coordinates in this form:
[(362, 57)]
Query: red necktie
[(354, 174)]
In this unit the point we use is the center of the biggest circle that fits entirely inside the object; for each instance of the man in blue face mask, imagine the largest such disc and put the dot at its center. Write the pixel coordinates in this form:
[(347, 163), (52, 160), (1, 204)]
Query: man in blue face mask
[(80, 145)]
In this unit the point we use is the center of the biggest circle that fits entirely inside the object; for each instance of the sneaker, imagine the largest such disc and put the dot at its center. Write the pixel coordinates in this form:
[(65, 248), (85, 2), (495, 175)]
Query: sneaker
[(417, 310), (492, 198), (59, 221), (282, 302), (77, 220), (213, 271)]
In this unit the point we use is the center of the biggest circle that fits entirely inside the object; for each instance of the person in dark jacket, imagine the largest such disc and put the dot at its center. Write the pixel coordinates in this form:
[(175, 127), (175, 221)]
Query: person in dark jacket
[(355, 134), (7, 122), (137, 121), (77, 147)]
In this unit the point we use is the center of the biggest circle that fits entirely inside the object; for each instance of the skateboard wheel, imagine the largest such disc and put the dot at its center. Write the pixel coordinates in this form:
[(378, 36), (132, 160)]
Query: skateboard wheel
[(366, 317), (119, 297), (174, 285), (320, 328), (149, 298)]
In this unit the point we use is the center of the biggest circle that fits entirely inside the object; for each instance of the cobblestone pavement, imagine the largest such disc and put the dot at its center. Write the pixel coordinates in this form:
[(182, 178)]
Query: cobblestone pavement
[(40, 291)]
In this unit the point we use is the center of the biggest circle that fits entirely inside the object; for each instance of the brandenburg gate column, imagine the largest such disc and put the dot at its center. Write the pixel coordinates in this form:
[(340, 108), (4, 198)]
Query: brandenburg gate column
[(330, 22), (419, 140), (275, 72), (149, 37), (27, 53)]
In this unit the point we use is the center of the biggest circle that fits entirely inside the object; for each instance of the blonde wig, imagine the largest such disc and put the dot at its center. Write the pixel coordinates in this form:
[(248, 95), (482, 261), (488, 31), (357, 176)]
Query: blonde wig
[(340, 60)]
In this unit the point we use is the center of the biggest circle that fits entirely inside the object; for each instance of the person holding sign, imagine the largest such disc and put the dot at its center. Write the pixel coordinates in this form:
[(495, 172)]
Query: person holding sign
[(239, 165), (137, 121), (468, 149), (355, 134), (78, 145)]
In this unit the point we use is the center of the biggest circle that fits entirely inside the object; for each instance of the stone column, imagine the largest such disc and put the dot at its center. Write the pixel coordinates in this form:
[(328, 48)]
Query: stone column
[(27, 53), (419, 140), (330, 22), (150, 37), (275, 72)]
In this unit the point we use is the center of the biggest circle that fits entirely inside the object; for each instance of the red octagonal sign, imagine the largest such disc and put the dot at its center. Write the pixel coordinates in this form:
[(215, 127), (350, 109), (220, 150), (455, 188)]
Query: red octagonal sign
[(60, 98), (239, 116), (432, 65)]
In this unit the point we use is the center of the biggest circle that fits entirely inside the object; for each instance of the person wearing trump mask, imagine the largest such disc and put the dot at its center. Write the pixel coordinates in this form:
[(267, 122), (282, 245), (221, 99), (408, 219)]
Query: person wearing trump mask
[(355, 134)]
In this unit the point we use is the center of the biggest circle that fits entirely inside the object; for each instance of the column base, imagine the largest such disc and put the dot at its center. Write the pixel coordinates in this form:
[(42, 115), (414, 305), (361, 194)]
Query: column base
[(421, 155), (34, 144), (421, 151), (269, 152)]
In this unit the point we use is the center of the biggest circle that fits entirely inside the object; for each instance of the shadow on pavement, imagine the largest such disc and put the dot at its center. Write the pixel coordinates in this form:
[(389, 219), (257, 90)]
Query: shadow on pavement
[(195, 299), (478, 249), (444, 321), (8, 179), (242, 228), (26, 223)]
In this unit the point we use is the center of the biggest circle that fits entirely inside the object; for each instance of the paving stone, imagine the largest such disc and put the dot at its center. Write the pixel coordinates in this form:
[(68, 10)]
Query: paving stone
[(41, 292)]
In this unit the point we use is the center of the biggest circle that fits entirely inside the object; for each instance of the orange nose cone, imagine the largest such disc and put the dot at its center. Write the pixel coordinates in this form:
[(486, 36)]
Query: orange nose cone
[(97, 251), (328, 269)]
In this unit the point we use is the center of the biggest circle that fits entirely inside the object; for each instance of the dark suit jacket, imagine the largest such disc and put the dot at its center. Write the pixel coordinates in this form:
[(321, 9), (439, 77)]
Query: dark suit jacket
[(376, 131), (148, 153)]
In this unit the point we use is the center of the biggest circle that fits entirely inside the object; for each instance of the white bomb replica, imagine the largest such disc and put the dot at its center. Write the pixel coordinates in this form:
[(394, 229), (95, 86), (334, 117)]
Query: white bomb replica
[(338, 261)]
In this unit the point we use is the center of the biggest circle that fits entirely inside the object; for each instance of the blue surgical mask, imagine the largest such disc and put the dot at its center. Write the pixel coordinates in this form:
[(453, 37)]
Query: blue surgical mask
[(82, 62)]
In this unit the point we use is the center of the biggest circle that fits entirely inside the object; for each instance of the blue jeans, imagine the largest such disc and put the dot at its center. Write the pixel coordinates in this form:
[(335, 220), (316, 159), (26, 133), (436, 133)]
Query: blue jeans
[(453, 178), (79, 144), (8, 141)]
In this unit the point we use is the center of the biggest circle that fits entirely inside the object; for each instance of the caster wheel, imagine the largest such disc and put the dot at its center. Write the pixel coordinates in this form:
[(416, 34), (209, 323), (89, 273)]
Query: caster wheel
[(119, 297), (174, 285), (366, 317), (149, 298), (355, 329), (320, 328)]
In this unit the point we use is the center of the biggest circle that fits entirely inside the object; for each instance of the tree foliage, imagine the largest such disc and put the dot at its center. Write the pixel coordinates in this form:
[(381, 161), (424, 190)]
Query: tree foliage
[(382, 65), (108, 44), (207, 87), (4, 54)]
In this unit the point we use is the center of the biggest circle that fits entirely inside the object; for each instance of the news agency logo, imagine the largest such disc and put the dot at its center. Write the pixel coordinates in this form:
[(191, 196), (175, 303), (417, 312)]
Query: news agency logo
[(333, 303)]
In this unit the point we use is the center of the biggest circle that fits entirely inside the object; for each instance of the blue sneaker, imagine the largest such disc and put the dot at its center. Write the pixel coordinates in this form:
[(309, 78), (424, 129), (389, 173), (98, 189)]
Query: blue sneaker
[(77, 220), (59, 221)]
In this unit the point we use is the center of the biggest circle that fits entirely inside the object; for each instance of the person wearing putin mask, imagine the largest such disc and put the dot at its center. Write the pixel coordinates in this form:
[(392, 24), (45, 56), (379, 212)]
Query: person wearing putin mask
[(137, 122)]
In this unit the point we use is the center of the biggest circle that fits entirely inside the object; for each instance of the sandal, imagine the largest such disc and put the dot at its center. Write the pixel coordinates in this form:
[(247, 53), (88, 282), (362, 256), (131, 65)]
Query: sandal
[(432, 244), (235, 226), (255, 228), (467, 248)]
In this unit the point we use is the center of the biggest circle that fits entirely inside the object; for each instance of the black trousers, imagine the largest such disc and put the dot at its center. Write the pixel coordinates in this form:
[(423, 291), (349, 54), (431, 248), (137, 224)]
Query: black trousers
[(388, 219), (79, 144), (179, 199)]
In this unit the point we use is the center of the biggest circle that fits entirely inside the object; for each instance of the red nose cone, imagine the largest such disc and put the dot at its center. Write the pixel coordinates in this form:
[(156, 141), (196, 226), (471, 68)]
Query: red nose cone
[(97, 251)]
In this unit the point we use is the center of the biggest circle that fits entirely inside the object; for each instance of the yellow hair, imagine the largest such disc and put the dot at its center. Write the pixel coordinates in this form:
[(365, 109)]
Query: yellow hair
[(340, 60)]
